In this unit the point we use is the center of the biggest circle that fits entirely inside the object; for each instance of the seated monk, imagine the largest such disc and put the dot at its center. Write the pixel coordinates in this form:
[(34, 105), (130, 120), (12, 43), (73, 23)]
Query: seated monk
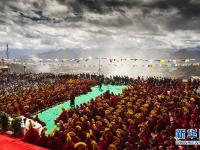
[(69, 144), (31, 135), (56, 144), (62, 116), (43, 139), (80, 146)]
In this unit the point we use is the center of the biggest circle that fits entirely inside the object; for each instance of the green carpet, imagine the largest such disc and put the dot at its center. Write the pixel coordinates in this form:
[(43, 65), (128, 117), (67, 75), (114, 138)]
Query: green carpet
[(49, 115)]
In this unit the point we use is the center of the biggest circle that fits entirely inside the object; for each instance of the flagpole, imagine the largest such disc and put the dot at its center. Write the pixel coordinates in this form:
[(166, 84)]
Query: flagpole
[(99, 70), (7, 56)]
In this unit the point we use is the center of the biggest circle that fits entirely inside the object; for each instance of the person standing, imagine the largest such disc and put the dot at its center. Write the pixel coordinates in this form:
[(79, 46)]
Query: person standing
[(72, 100), (100, 83)]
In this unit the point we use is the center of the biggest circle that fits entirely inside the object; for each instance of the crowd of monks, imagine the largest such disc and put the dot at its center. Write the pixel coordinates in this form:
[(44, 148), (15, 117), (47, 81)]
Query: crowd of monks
[(144, 116), (34, 92)]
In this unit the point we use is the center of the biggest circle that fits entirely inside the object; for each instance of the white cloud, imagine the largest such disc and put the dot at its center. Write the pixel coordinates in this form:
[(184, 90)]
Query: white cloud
[(129, 28)]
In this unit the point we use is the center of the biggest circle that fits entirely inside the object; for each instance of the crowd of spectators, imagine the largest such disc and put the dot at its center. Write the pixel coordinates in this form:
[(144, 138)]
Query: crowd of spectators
[(144, 116), (16, 82)]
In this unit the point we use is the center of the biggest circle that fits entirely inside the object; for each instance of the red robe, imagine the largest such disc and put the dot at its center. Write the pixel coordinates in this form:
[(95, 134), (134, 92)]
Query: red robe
[(56, 144), (43, 141), (31, 136)]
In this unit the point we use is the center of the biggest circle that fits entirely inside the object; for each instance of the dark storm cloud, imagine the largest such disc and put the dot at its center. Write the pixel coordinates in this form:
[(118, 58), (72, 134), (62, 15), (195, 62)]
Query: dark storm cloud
[(186, 7), (12, 4), (99, 6), (186, 17), (187, 10)]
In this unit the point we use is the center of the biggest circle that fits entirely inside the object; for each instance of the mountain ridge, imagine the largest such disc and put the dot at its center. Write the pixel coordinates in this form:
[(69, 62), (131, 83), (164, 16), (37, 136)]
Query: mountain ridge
[(77, 53)]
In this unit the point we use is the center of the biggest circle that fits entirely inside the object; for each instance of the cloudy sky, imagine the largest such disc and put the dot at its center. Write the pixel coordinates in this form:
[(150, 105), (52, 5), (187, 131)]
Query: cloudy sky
[(100, 24)]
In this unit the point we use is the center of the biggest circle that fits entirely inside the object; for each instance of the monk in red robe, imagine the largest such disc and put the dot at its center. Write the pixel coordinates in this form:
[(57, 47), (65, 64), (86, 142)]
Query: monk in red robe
[(31, 135)]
